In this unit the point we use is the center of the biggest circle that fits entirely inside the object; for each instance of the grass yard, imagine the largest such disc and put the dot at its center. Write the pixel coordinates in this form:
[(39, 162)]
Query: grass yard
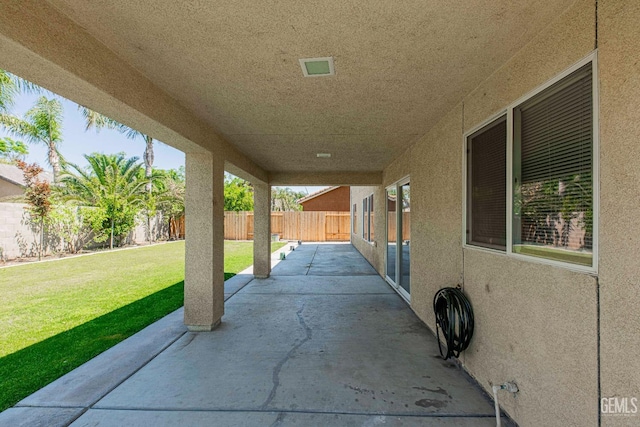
[(57, 315)]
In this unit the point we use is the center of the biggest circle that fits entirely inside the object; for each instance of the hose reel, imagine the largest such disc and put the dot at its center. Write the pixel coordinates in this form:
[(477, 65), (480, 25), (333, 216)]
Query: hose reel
[(454, 316)]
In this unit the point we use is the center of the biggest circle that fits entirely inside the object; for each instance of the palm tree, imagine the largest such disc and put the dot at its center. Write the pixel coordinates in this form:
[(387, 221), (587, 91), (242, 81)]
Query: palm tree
[(11, 86), (99, 121), (42, 124), (9, 89), (112, 185)]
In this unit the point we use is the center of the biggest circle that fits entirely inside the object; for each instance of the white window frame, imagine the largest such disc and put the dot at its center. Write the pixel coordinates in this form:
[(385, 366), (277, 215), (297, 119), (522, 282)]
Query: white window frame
[(367, 233), (365, 213), (508, 111), (393, 282)]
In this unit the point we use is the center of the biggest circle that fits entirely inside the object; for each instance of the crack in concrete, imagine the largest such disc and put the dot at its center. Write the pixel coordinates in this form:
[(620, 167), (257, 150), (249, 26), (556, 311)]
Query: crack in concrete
[(285, 359)]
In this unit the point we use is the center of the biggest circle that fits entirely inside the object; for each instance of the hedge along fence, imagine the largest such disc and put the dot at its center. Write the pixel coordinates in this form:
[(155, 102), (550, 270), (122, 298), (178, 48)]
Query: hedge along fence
[(19, 238), (300, 225)]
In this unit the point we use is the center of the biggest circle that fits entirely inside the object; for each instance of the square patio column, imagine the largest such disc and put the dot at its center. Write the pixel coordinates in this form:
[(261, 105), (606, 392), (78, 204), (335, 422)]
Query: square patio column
[(204, 235), (261, 230)]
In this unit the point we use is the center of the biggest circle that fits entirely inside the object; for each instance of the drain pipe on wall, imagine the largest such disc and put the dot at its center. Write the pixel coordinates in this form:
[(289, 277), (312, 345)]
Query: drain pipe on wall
[(511, 387)]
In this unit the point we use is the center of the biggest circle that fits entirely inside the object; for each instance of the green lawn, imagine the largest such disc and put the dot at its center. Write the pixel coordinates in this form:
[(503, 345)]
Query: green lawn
[(57, 315)]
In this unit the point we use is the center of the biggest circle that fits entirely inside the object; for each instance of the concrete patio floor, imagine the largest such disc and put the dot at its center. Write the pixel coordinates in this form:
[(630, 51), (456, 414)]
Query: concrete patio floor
[(324, 341)]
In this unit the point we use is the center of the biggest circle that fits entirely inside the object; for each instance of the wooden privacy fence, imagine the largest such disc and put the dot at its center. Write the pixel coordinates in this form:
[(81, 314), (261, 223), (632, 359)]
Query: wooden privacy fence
[(176, 228), (307, 226)]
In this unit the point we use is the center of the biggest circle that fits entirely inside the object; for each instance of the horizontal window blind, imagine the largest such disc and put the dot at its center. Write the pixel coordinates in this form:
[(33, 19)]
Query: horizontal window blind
[(365, 219), (555, 199), (487, 175)]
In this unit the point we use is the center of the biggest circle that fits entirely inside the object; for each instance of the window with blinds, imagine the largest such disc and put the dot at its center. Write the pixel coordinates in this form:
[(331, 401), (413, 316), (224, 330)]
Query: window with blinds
[(487, 186), (553, 171), (365, 218), (551, 182)]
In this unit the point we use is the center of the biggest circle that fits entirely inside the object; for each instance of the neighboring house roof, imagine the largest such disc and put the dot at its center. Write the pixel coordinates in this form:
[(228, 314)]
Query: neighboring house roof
[(13, 174), (317, 193)]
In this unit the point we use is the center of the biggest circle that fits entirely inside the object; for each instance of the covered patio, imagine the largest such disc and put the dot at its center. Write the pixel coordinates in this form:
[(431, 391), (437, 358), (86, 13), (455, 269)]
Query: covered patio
[(405, 99), (323, 341)]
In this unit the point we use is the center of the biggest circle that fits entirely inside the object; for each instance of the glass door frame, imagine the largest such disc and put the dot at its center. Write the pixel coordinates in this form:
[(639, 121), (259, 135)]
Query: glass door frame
[(395, 281)]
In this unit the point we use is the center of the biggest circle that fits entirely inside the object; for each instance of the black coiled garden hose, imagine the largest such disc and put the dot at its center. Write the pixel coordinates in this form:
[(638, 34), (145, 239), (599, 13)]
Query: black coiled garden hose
[(454, 316)]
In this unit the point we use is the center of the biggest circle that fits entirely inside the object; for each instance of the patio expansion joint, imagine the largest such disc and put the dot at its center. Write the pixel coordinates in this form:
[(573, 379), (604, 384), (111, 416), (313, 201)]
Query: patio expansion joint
[(278, 367), (312, 258)]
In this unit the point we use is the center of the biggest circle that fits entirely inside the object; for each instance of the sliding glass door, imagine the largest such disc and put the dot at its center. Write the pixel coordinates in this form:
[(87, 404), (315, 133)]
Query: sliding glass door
[(404, 233), (398, 265)]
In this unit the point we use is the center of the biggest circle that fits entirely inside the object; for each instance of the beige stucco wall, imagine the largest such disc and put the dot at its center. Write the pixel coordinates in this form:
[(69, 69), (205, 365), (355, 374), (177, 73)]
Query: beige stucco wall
[(204, 249), (535, 323), (372, 251), (262, 230), (619, 65)]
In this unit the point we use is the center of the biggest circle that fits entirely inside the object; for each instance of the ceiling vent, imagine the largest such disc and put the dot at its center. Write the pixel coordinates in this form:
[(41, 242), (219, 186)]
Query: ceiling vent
[(323, 155), (317, 67)]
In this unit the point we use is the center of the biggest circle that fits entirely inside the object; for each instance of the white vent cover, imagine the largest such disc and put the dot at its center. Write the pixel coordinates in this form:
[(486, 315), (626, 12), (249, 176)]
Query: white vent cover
[(317, 67)]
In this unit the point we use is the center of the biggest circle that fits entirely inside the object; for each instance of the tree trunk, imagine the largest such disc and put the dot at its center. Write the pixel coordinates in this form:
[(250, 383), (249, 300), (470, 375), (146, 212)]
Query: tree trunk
[(111, 241), (148, 171), (148, 161), (149, 228), (54, 161), (41, 239)]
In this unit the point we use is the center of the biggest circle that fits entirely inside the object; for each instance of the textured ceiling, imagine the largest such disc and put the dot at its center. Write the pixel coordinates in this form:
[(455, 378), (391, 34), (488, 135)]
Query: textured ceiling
[(400, 65)]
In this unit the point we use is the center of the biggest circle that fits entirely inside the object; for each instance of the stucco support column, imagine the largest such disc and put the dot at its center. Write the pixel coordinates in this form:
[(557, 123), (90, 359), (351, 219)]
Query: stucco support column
[(261, 230), (204, 228)]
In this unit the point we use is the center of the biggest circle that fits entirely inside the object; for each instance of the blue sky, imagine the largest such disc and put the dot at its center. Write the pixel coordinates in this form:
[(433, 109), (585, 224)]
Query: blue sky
[(77, 142)]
